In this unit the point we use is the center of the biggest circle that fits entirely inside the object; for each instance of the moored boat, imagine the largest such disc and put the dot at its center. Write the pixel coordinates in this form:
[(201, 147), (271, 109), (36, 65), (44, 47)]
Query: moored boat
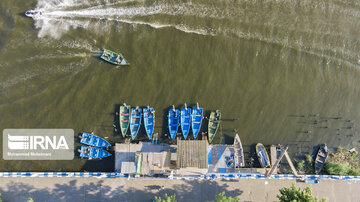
[(185, 120), (32, 13), (149, 121), (238, 152), (173, 122), (124, 118), (320, 158), (214, 122), (262, 156), (113, 58), (196, 119), (93, 153), (93, 140), (135, 121)]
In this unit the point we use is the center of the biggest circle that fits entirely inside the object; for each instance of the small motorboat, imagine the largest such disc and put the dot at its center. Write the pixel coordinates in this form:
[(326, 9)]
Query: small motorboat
[(135, 121), (214, 122), (93, 140), (173, 121), (32, 13), (196, 119), (149, 121), (93, 153), (113, 58), (320, 158), (262, 156), (124, 118), (185, 120)]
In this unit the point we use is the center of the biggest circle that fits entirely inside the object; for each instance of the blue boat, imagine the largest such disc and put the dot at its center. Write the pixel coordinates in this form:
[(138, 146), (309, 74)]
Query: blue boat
[(149, 121), (185, 120), (93, 140), (196, 119), (135, 121), (173, 121), (93, 153)]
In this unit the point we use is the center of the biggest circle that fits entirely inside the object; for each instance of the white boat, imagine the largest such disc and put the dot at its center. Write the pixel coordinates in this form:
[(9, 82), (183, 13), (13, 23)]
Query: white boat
[(32, 13), (239, 152)]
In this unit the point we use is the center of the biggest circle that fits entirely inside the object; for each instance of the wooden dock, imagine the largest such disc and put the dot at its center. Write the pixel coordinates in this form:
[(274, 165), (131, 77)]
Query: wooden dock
[(273, 156), (192, 153)]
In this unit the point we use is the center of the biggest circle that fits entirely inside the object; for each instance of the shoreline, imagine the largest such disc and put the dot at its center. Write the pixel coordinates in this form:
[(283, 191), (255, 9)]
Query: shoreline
[(207, 177), (94, 189)]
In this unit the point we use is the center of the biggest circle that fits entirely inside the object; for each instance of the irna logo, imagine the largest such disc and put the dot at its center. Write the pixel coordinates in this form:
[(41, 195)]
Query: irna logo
[(37, 142)]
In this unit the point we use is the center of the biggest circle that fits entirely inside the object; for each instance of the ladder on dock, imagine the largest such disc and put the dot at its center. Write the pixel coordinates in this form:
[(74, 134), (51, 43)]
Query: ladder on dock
[(276, 164)]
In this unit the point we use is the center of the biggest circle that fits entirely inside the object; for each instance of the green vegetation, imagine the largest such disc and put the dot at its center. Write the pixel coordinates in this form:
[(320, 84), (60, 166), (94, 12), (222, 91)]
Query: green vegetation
[(219, 198), (166, 198), (300, 165), (309, 159), (294, 194), (306, 166), (343, 162), (30, 200), (222, 198), (0, 198)]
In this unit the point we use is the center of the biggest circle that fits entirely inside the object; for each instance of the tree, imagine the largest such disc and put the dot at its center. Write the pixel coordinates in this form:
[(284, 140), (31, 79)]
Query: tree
[(166, 198), (294, 194), (222, 198)]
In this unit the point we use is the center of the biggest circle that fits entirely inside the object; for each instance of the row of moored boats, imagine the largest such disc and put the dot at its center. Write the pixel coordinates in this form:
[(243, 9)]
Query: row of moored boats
[(94, 149), (187, 118)]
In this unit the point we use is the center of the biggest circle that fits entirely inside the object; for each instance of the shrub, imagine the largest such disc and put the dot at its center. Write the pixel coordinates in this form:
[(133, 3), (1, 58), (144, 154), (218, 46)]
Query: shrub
[(301, 165), (308, 159), (166, 198), (337, 169)]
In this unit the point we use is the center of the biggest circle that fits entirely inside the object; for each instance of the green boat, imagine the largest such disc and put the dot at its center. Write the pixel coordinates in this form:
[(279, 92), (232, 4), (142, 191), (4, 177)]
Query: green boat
[(113, 58), (124, 118), (214, 122)]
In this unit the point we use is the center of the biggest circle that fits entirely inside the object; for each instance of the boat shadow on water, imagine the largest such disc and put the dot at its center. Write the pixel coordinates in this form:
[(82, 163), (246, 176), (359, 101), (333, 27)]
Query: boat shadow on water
[(116, 124), (165, 137)]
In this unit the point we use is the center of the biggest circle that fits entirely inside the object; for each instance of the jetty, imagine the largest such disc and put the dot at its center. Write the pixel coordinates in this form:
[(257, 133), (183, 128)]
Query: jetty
[(275, 160)]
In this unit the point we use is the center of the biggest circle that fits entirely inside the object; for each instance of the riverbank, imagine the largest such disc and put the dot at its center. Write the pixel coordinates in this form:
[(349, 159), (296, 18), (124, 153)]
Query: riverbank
[(122, 189)]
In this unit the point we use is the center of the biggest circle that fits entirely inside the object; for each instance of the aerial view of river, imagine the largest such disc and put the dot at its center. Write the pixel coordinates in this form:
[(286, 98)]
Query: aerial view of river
[(280, 72)]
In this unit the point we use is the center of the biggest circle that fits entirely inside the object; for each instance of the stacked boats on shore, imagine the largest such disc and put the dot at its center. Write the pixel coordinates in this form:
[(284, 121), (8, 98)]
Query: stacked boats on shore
[(189, 119), (93, 150)]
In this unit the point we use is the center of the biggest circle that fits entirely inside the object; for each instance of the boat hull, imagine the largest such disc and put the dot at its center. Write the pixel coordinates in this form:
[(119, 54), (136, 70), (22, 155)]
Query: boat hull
[(93, 140), (173, 122), (149, 121), (93, 153), (262, 156), (124, 118), (238, 152), (320, 158), (214, 122), (113, 58), (135, 122), (185, 121), (196, 119), (32, 13)]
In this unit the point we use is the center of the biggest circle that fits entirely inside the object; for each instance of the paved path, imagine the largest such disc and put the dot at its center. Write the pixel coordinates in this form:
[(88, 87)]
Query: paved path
[(120, 189)]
